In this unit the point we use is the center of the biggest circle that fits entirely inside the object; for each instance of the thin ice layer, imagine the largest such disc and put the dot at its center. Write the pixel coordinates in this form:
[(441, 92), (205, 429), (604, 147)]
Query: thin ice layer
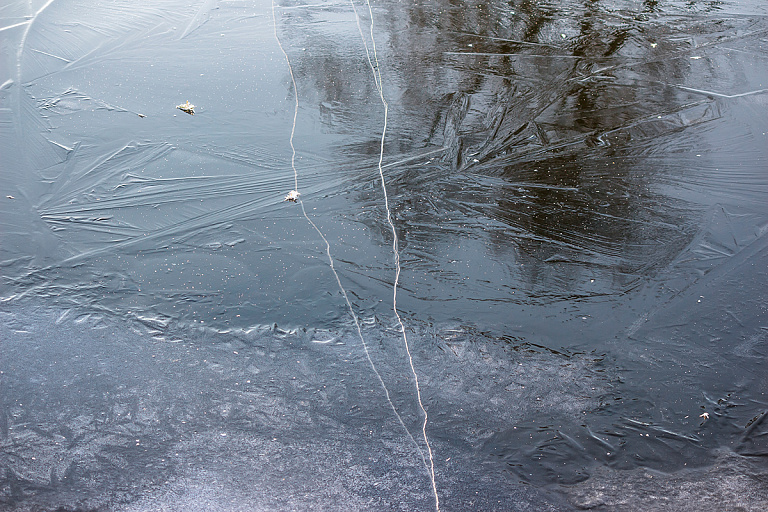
[(587, 179)]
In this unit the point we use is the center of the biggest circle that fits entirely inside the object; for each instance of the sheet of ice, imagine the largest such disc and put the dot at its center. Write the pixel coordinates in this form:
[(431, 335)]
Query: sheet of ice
[(567, 201)]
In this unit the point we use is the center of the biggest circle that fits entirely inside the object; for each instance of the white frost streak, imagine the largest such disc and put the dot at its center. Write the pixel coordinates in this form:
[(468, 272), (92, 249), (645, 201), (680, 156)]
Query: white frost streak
[(24, 39), (7, 27), (718, 94), (52, 55), (202, 15), (331, 261)]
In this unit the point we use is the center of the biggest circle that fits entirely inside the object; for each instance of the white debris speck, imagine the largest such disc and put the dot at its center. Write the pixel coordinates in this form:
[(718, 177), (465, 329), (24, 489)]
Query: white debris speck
[(187, 107)]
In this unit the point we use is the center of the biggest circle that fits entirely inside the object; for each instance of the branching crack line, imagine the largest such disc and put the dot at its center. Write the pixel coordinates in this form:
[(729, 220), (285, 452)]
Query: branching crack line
[(331, 260)]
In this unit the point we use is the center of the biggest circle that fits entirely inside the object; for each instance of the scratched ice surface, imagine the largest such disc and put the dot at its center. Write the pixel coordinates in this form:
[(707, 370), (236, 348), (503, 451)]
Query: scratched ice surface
[(580, 196)]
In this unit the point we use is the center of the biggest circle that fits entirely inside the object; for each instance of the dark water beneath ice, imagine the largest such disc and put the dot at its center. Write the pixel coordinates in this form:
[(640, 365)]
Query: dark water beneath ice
[(579, 192)]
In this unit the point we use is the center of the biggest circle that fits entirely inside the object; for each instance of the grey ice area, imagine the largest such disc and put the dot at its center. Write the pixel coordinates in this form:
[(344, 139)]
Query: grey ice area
[(579, 199)]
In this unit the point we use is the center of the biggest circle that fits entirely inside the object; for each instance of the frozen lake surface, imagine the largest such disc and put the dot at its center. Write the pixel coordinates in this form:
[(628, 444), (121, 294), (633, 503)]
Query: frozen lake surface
[(526, 269)]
